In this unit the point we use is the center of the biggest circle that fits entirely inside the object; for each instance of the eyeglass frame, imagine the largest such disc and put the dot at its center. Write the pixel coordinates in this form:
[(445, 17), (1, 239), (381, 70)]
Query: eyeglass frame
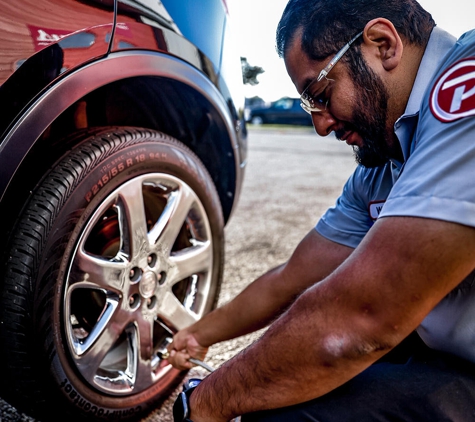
[(306, 100)]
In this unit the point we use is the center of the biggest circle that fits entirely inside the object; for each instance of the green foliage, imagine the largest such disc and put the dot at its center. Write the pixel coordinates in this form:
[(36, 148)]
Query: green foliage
[(250, 73)]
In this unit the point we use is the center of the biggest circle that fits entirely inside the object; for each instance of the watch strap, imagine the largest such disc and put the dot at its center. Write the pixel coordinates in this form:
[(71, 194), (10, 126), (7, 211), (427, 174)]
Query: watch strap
[(183, 410)]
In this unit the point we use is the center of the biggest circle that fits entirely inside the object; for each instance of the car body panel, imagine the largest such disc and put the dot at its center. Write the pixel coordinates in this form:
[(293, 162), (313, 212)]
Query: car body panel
[(210, 14), (41, 40), (170, 26), (70, 89), (39, 50)]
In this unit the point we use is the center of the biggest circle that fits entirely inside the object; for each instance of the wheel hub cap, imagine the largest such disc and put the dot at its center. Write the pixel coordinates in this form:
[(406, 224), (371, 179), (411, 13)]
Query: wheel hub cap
[(148, 284)]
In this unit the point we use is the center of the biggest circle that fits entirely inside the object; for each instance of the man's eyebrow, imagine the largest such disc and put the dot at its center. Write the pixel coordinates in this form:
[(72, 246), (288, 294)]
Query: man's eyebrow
[(312, 82), (308, 81)]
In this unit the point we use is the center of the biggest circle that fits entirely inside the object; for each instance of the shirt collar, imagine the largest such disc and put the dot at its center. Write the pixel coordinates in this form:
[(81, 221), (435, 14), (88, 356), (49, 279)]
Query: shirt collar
[(440, 43)]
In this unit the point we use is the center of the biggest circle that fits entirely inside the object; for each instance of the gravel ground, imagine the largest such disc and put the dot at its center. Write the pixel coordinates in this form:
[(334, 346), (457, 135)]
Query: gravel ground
[(291, 178)]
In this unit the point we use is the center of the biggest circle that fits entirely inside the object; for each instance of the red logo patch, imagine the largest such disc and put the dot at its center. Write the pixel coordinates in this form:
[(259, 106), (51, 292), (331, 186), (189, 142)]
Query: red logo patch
[(453, 97)]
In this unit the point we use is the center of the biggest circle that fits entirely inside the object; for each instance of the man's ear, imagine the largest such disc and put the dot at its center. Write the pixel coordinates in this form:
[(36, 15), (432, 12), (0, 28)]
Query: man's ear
[(383, 42)]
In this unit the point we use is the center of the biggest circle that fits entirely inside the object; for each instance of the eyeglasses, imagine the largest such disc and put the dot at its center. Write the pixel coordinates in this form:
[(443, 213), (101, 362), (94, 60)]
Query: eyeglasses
[(311, 103)]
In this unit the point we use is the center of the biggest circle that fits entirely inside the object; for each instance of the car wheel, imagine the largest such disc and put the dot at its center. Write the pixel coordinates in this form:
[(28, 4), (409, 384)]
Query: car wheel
[(257, 120), (120, 246)]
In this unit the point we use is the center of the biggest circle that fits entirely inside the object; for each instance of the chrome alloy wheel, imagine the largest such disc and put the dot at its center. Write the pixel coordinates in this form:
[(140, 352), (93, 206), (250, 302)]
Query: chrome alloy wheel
[(141, 271)]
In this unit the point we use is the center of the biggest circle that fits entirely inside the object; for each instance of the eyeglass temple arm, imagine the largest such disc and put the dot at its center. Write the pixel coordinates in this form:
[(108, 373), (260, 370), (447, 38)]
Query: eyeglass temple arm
[(335, 60)]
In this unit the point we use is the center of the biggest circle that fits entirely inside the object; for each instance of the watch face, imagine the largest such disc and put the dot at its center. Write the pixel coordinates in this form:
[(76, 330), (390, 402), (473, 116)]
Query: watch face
[(192, 383), (180, 408)]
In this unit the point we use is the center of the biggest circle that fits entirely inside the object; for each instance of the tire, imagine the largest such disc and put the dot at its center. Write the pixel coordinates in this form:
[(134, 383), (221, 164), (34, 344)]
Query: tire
[(120, 245), (257, 120)]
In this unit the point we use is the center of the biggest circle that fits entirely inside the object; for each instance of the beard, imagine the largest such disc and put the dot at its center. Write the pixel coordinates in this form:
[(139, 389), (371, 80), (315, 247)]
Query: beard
[(370, 116)]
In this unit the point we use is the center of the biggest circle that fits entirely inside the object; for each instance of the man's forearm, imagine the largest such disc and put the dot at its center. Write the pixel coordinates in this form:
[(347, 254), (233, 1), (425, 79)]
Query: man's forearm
[(285, 367), (271, 294), (263, 300), (253, 309)]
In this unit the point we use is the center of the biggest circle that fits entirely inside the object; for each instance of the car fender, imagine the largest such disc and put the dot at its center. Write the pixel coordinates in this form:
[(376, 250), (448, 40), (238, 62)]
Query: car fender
[(117, 66)]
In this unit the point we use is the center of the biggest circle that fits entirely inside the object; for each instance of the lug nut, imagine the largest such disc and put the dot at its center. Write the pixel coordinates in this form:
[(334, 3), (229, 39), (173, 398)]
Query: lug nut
[(134, 274), (151, 260), (134, 301)]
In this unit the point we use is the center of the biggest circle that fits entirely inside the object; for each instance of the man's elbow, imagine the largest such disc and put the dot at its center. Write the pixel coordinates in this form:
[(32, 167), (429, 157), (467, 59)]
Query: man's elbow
[(351, 347)]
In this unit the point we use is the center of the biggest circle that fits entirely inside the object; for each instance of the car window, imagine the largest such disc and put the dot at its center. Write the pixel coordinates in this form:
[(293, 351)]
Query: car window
[(284, 104)]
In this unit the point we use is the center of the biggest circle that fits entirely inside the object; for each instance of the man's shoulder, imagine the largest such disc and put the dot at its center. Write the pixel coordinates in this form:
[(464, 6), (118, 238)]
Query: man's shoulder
[(463, 48), (451, 94), (467, 38)]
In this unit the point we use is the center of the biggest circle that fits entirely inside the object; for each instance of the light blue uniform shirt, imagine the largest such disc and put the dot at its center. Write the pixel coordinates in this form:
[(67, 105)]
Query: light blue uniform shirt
[(436, 180)]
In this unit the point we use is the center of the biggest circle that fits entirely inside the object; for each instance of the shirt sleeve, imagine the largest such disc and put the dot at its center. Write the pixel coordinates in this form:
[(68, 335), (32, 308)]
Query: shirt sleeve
[(350, 219), (438, 178)]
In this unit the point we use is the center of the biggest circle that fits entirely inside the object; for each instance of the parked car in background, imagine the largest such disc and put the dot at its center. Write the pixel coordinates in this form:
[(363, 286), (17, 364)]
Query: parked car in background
[(286, 111), (122, 151)]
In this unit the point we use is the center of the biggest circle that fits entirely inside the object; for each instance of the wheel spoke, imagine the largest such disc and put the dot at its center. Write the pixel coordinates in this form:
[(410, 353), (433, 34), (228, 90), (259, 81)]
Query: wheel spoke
[(143, 353), (170, 222), (175, 313), (191, 261), (132, 217), (138, 372), (92, 350), (96, 271)]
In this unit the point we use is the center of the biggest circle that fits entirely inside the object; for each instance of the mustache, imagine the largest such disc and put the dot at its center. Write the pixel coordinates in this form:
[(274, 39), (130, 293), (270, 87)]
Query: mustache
[(339, 133)]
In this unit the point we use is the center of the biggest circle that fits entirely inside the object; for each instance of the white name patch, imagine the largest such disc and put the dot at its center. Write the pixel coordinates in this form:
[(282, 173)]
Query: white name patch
[(375, 209)]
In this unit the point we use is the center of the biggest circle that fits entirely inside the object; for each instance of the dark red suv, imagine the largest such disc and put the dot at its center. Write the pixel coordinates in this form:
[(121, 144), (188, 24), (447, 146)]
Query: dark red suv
[(122, 149)]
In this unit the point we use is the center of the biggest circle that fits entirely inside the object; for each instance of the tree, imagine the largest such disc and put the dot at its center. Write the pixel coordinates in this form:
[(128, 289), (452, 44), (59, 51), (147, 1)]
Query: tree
[(250, 73), (255, 101)]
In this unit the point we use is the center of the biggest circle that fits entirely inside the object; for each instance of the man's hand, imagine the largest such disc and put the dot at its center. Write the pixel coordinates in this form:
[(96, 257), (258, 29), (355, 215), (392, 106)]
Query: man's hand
[(184, 347)]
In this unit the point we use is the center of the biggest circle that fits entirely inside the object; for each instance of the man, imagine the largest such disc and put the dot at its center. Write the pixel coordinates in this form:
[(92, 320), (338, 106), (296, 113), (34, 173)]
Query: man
[(393, 256)]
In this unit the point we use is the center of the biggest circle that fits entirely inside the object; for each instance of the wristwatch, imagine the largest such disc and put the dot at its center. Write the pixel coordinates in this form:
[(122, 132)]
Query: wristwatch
[(181, 407)]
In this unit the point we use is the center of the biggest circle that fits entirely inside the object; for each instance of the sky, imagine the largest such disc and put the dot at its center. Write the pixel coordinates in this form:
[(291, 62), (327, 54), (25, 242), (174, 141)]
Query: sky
[(255, 22)]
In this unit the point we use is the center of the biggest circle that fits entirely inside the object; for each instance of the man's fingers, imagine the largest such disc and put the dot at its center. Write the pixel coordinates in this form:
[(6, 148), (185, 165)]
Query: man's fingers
[(183, 347), (180, 360)]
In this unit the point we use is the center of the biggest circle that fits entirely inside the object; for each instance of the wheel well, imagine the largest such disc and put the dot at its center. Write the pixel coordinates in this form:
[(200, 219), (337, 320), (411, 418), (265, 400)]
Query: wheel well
[(151, 102)]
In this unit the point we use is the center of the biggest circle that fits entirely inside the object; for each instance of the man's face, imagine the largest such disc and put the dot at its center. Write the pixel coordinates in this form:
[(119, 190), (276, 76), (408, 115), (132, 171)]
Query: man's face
[(357, 109)]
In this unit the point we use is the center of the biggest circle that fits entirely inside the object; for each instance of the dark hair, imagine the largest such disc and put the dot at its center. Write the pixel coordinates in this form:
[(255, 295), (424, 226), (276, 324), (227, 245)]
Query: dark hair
[(332, 23)]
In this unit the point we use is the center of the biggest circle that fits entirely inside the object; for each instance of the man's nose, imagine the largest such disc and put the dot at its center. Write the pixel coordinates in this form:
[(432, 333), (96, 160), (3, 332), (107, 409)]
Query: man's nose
[(324, 122)]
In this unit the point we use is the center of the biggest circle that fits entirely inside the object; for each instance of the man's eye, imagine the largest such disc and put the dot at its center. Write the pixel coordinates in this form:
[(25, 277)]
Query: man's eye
[(320, 99)]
